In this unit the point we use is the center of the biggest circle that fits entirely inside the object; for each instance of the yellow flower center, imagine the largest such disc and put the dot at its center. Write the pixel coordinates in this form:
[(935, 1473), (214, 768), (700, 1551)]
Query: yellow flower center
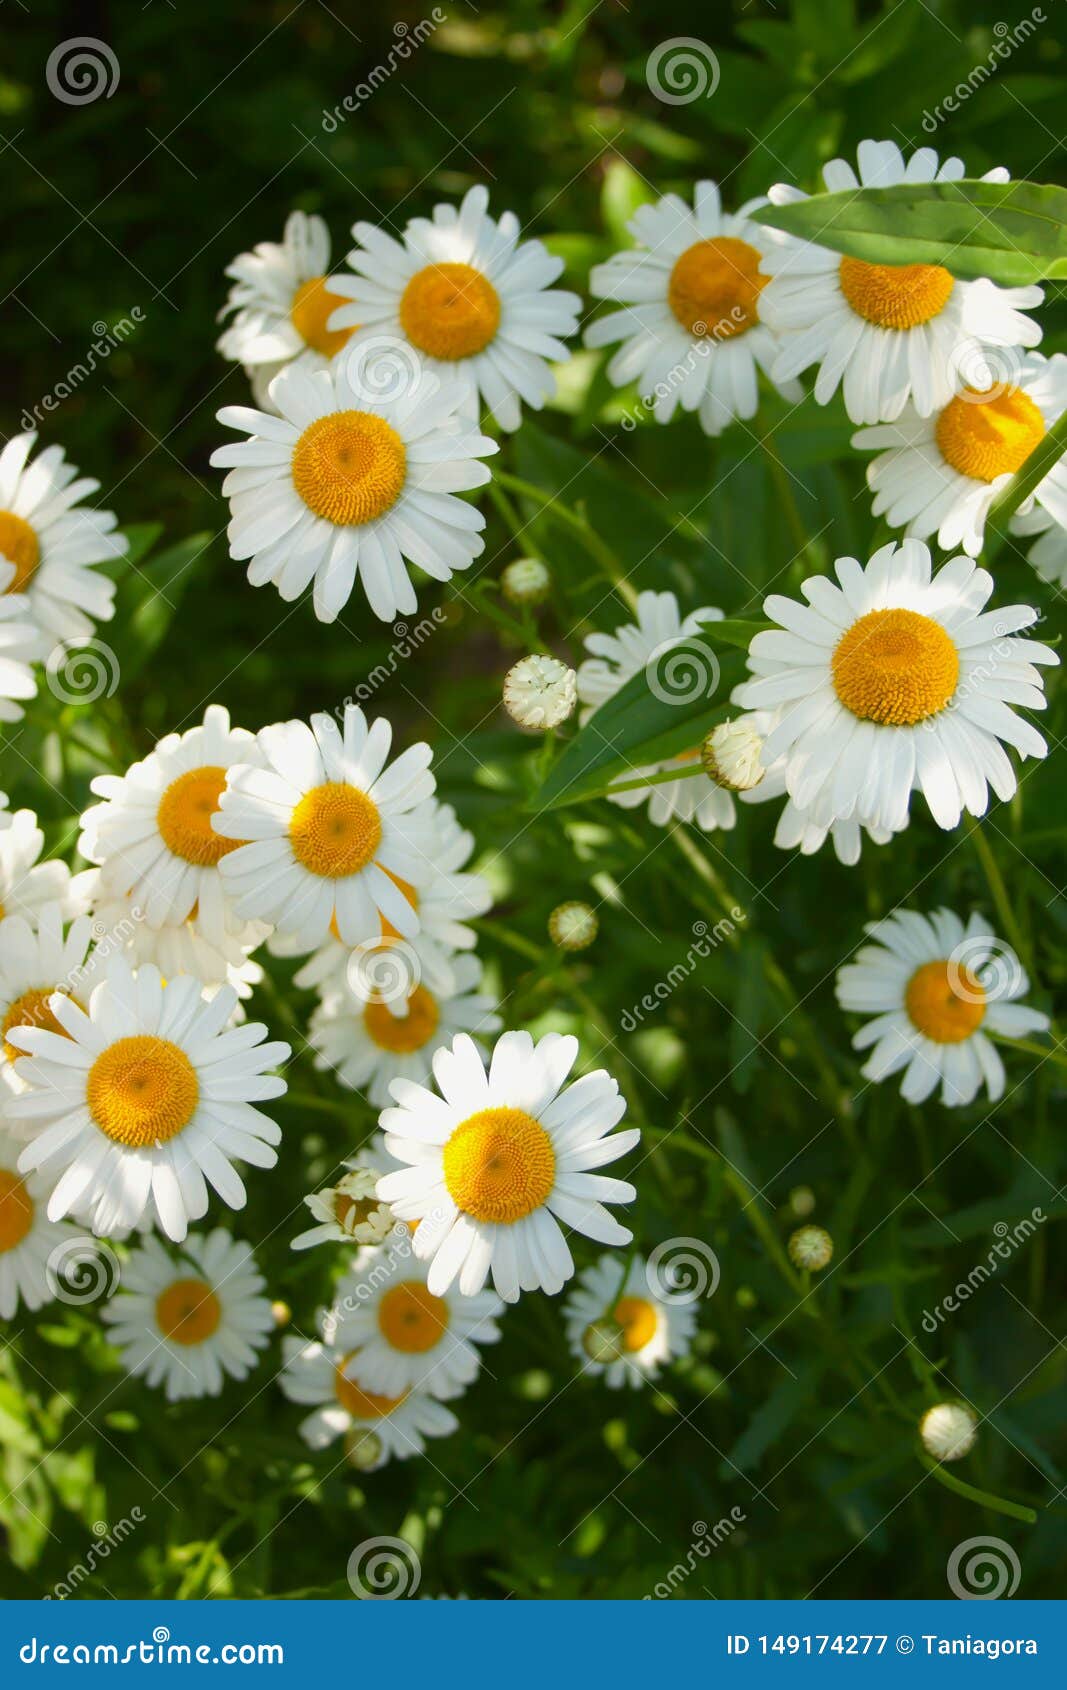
[(184, 817), (142, 1091), (895, 667), (499, 1165), (188, 1312), (30, 1010), (403, 1034), (714, 287), (638, 1321), (984, 438), (19, 544), (361, 1404), (335, 830), (312, 307), (411, 1318), (16, 1210), (450, 311), (349, 467), (895, 296), (946, 1003)]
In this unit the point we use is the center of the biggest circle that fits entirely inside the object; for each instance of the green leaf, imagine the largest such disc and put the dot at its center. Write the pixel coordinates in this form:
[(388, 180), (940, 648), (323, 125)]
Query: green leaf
[(692, 682), (147, 599), (1012, 232)]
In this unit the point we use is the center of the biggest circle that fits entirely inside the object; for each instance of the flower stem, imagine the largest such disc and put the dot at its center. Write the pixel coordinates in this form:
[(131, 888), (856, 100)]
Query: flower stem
[(1026, 480), (984, 1498), (594, 545)]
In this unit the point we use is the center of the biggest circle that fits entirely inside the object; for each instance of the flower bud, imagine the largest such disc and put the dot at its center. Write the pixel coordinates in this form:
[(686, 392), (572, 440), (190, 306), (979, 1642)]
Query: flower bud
[(811, 1247), (731, 756), (572, 926), (948, 1430), (802, 1201), (604, 1341), (363, 1449), (281, 1314), (526, 581), (540, 692)]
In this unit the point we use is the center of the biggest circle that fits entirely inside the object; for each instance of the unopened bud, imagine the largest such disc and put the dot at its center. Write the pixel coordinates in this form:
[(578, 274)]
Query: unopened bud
[(540, 692), (572, 926), (604, 1341), (811, 1247), (731, 755), (363, 1449), (948, 1430), (526, 581)]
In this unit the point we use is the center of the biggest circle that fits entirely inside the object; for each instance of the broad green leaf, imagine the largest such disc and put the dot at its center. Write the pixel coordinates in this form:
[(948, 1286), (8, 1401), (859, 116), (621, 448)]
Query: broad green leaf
[(662, 711), (147, 599), (1012, 232)]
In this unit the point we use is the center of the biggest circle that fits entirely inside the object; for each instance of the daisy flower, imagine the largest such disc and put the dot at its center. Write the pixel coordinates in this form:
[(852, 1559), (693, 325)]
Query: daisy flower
[(186, 1319), (651, 1331), (281, 301), (935, 988), (144, 1095), (444, 898), (892, 680), (403, 1337), (940, 474), (475, 303), (31, 1246), (54, 543), (369, 1043), (330, 829), (883, 332), (350, 1211), (21, 646), (614, 659), (36, 961), (342, 482), (153, 837), (690, 323), (807, 830), (177, 947), (27, 884), (499, 1163), (1048, 554), (378, 1427)]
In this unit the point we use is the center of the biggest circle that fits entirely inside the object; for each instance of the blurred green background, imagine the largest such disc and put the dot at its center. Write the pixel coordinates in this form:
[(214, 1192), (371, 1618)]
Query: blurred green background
[(139, 200)]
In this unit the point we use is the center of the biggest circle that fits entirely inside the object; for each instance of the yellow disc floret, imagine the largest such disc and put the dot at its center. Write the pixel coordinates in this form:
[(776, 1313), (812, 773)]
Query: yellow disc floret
[(411, 1318), (895, 296), (984, 438), (188, 1312), (29, 1010), (361, 1404), (349, 467), (403, 1033), (714, 287), (450, 311), (499, 1165), (16, 1210), (313, 306), (638, 1320), (184, 817), (335, 830), (142, 1091), (945, 1002), (20, 546), (895, 667)]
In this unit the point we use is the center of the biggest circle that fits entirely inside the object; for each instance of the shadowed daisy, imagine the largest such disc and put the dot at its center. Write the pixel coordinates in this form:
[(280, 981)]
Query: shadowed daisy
[(54, 541)]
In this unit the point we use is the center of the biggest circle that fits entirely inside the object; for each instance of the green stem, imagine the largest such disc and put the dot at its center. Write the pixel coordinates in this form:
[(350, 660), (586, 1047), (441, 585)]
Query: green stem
[(999, 893), (1054, 1054), (984, 1498), (594, 545), (1026, 480), (664, 778)]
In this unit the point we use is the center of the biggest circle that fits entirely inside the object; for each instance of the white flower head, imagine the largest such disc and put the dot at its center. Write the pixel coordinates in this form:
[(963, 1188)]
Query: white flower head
[(32, 1247), (348, 1212), (377, 1427), (26, 883), (55, 542), (649, 1330), (540, 692)]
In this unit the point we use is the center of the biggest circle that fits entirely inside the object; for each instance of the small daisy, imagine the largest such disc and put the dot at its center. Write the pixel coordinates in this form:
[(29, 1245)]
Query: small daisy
[(153, 834), (342, 483), (31, 1246), (651, 1331), (35, 962), (445, 900), (477, 305), (54, 543), (936, 987), (382, 1427), (143, 1095), (886, 332), (349, 1212), (330, 829), (895, 680), (940, 474), (690, 327), (501, 1162), (402, 1337), (186, 1319), (27, 884), (369, 1043), (21, 646), (614, 659), (1048, 554), (281, 302)]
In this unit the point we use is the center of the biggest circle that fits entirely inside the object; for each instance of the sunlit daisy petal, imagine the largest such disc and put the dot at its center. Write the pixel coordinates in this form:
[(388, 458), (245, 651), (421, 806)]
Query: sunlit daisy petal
[(620, 1328), (54, 543)]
